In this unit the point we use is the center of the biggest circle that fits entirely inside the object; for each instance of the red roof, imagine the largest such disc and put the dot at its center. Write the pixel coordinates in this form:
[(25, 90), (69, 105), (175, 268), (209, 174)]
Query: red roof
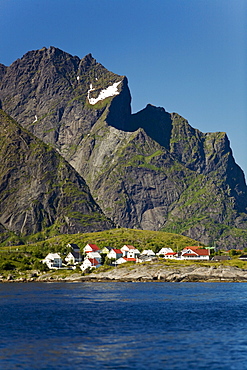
[(129, 259), (93, 261), (170, 254), (118, 251), (130, 246), (198, 250), (94, 247)]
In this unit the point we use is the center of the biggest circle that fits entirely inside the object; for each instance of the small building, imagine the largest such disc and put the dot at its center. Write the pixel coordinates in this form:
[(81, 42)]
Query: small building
[(126, 248), (171, 255), (220, 258), (195, 253), (91, 248), (124, 260), (53, 261), (243, 257), (164, 251), (115, 254), (95, 255), (89, 263), (129, 251), (73, 257), (133, 253), (106, 250)]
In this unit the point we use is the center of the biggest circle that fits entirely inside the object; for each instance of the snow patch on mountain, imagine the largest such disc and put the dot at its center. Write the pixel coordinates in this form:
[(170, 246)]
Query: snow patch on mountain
[(106, 93)]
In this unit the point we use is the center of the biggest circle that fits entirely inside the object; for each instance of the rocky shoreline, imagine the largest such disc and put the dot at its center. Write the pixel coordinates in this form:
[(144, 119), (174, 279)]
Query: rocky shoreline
[(144, 273)]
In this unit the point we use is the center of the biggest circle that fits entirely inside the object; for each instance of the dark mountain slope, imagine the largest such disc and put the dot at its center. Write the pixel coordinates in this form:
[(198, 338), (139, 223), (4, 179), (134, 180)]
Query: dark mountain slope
[(39, 189)]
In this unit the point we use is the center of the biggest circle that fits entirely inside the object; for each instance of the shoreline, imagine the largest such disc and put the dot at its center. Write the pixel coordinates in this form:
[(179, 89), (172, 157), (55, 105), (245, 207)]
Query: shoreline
[(142, 273)]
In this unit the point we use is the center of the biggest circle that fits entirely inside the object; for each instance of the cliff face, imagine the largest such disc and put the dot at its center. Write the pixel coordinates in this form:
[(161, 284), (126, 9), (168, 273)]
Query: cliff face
[(148, 170), (39, 189), (46, 91)]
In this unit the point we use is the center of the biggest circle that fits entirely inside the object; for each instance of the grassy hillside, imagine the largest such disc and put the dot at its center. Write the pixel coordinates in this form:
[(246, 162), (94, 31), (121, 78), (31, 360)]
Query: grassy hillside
[(141, 239)]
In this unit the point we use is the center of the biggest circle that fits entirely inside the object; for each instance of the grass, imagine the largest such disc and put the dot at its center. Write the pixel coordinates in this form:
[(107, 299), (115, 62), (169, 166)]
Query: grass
[(142, 239)]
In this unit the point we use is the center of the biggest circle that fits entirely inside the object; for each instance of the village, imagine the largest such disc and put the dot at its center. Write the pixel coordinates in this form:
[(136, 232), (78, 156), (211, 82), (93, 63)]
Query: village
[(92, 257)]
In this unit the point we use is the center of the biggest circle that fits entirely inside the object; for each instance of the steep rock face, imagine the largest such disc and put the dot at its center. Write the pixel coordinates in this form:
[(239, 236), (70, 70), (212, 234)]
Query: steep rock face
[(39, 189), (206, 154), (3, 70), (132, 177), (47, 92), (149, 170)]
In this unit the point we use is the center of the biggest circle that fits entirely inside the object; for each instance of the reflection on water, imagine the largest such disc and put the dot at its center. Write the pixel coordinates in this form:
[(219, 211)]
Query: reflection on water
[(123, 325)]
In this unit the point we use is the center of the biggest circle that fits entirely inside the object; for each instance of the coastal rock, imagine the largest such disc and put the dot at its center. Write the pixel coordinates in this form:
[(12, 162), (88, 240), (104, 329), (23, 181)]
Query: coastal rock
[(156, 272)]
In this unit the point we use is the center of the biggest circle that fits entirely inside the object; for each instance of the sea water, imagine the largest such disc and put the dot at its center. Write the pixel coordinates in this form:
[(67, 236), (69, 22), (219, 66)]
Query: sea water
[(123, 326)]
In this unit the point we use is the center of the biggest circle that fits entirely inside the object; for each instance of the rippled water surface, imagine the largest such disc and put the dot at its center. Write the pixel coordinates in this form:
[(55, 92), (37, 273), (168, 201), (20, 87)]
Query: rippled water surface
[(123, 326)]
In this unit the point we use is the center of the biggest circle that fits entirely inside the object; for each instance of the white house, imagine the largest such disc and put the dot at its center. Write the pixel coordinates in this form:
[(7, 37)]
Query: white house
[(195, 253), (91, 248), (164, 251), (95, 255), (126, 248), (73, 257), (133, 253), (115, 253), (89, 263), (53, 260), (171, 255), (129, 251)]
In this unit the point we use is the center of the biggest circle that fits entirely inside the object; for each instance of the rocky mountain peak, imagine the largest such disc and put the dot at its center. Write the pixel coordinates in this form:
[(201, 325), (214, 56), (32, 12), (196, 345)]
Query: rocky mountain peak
[(156, 122)]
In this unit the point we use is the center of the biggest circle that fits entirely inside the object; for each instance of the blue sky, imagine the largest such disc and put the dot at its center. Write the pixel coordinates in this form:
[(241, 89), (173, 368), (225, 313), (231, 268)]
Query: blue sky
[(188, 56)]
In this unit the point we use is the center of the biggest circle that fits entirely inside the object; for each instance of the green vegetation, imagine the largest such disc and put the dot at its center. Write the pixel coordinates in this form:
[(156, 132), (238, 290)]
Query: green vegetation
[(24, 261), (141, 239)]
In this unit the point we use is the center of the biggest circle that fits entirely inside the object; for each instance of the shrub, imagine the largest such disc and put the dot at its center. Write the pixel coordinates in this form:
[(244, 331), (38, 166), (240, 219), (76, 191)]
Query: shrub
[(7, 266), (40, 266)]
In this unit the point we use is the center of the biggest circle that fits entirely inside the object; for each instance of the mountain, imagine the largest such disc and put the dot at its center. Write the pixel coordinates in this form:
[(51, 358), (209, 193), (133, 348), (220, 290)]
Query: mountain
[(39, 189), (149, 170)]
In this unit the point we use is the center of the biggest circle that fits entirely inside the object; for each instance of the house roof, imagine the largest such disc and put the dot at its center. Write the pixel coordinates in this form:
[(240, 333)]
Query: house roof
[(75, 254), (129, 246), (94, 247), (73, 245), (221, 258), (93, 261), (190, 254), (200, 251), (129, 259), (148, 251), (93, 254), (108, 248), (170, 254), (118, 251), (53, 255)]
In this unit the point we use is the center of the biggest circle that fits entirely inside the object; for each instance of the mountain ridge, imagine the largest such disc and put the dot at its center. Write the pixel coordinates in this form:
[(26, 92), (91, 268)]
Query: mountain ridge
[(148, 170)]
